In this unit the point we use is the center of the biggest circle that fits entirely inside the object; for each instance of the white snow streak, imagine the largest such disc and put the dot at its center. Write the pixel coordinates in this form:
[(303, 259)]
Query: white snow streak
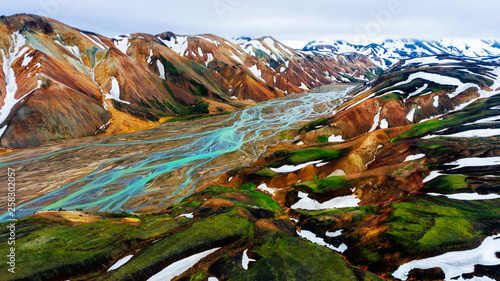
[(306, 203), (309, 235), (179, 267), (245, 260), (455, 264), (292, 168), (15, 52), (119, 263)]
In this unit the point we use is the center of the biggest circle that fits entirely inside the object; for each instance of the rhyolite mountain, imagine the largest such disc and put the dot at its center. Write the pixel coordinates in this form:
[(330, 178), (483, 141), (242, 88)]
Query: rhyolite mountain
[(390, 51), (61, 82), (405, 170)]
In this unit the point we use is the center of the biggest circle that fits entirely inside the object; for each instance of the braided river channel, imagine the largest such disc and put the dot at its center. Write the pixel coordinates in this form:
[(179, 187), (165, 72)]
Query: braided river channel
[(149, 170)]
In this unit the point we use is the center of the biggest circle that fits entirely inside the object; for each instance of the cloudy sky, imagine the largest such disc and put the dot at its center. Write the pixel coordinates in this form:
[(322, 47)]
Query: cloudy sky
[(293, 22)]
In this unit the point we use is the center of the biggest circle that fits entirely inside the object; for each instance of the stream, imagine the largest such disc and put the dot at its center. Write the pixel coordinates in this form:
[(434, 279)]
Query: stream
[(148, 170)]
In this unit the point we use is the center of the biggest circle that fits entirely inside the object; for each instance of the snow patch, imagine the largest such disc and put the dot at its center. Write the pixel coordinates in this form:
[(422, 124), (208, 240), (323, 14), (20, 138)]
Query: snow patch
[(309, 235), (10, 101), (245, 260), (114, 93), (306, 203), (179, 267), (454, 264), (468, 196), (384, 124), (376, 120), (150, 56), (122, 44), (268, 189), (303, 86), (292, 168), (210, 58), (336, 233), (179, 44), (237, 59), (188, 215), (120, 262), (161, 69), (335, 138), (99, 45), (436, 101), (255, 71), (410, 115), (414, 157)]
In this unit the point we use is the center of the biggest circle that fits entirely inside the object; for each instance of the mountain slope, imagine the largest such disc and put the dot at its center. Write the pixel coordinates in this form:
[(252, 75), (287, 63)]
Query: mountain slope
[(391, 51), (60, 82), (405, 170)]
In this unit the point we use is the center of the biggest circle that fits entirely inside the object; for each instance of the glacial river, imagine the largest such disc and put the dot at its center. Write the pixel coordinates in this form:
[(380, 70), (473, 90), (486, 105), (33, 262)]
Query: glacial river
[(148, 170)]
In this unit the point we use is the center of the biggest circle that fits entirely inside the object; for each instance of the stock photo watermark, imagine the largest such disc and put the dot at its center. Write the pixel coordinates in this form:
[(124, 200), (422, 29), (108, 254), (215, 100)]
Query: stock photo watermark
[(11, 222), (50, 8), (380, 19), (222, 7)]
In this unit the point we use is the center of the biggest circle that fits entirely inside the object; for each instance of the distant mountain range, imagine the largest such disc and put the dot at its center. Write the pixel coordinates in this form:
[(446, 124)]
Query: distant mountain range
[(391, 51), (61, 82)]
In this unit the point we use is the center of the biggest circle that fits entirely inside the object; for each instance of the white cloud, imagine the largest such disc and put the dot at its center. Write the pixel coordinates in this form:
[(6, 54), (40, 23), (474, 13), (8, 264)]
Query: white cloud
[(288, 21)]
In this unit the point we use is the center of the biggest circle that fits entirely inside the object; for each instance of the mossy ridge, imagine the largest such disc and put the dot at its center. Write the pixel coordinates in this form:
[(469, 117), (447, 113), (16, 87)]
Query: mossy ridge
[(282, 257), (312, 154), (323, 185), (88, 248), (447, 184), (217, 231), (469, 114), (419, 227), (299, 156), (266, 172), (70, 249), (428, 225)]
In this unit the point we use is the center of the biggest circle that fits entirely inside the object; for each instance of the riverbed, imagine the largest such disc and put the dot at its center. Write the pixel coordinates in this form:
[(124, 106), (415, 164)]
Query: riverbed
[(149, 170)]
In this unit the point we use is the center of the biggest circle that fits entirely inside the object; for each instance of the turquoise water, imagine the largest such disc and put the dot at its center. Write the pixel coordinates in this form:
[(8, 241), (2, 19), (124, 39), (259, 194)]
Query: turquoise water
[(188, 154)]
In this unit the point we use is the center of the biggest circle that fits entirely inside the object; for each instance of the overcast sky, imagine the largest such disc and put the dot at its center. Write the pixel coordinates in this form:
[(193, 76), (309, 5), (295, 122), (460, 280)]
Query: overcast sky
[(293, 22)]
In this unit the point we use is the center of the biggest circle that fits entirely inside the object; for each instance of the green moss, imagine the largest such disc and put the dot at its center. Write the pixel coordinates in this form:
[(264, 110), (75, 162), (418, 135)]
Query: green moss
[(306, 155), (390, 96), (447, 183), (358, 213), (70, 249), (248, 186), (290, 258), (311, 126), (199, 89), (197, 277), (325, 184), (266, 172), (265, 201), (323, 138), (468, 114), (370, 256), (432, 224), (169, 67), (199, 107), (202, 235)]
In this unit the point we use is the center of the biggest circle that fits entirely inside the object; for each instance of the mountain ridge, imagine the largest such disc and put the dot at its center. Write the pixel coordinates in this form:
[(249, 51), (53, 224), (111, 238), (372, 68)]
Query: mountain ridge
[(141, 78), (390, 51)]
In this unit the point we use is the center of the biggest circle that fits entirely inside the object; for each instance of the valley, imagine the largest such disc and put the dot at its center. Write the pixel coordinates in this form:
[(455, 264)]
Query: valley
[(194, 157)]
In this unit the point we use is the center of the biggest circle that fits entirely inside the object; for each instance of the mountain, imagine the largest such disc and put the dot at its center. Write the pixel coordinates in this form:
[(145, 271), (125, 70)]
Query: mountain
[(401, 182), (61, 82), (390, 51), (406, 170)]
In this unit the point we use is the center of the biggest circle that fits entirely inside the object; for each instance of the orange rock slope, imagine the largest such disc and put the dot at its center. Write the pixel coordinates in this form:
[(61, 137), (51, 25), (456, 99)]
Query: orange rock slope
[(61, 82)]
